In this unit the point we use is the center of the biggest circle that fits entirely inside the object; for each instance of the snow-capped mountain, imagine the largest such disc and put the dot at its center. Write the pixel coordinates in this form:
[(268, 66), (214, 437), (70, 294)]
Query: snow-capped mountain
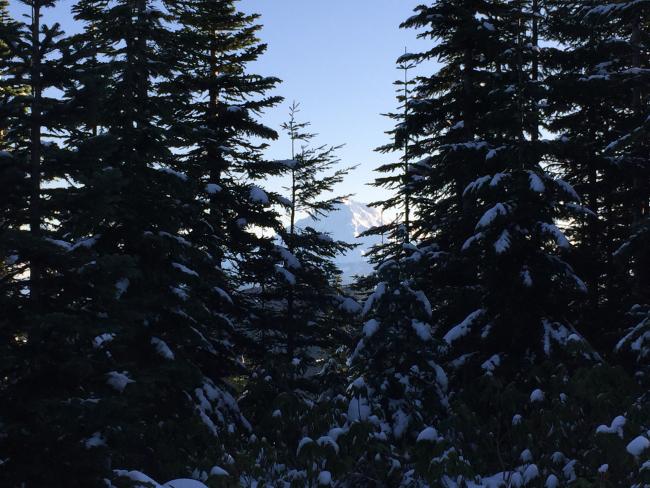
[(345, 224)]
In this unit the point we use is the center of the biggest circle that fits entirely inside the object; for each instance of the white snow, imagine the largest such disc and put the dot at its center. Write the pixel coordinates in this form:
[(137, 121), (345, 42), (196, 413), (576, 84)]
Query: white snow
[(462, 329), (184, 483), (603, 468), (118, 380), (616, 427), (503, 242), (180, 293), (121, 286), (212, 188), (290, 260), (162, 348), (326, 440), (491, 364), (350, 305), (184, 269), (218, 471), (370, 327), (536, 183), (286, 274), (376, 295), (96, 440), (477, 184), (638, 445), (471, 240), (86, 243), (526, 456), (303, 442), (530, 473), (422, 330), (537, 396), (177, 174), (516, 419), (429, 434), (560, 238), (100, 340), (458, 125), (258, 195), (325, 478), (552, 481), (57, 242), (422, 298), (401, 421), (496, 179), (346, 223), (358, 409), (490, 215), (137, 476)]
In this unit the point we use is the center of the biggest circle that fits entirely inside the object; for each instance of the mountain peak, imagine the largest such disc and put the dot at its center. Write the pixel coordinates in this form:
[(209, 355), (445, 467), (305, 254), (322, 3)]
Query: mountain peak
[(346, 223)]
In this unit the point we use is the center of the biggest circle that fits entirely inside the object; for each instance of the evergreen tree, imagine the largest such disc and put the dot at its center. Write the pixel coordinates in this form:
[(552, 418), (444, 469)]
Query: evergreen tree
[(398, 390), (146, 356), (306, 310), (33, 260), (594, 102), (400, 176), (443, 126), (494, 210)]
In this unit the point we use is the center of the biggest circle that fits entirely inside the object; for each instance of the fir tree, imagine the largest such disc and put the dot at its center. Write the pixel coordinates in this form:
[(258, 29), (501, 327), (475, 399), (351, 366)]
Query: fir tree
[(491, 206), (400, 176), (145, 358), (589, 115), (33, 259), (398, 390), (306, 310)]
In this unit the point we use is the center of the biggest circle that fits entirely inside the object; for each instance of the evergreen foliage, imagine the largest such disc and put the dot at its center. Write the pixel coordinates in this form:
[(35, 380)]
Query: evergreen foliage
[(164, 317)]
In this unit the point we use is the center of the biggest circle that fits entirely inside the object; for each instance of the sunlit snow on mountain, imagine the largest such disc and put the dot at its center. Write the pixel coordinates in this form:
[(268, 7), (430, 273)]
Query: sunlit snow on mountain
[(345, 224)]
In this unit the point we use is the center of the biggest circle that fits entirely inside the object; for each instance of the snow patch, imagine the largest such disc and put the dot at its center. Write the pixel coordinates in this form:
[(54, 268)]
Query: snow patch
[(428, 434), (162, 348), (118, 381)]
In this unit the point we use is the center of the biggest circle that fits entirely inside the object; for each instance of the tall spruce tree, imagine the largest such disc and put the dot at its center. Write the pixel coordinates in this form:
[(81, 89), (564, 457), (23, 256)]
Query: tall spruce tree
[(490, 201), (595, 104), (400, 176), (446, 146), (306, 312), (398, 390), (34, 260), (145, 358)]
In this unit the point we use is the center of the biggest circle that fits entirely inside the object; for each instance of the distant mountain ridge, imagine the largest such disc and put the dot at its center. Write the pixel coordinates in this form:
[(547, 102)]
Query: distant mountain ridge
[(346, 223)]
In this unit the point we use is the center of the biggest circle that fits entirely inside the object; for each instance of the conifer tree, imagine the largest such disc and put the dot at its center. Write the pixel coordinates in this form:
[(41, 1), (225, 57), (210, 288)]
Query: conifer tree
[(306, 310), (627, 149), (494, 210), (33, 259), (400, 176), (446, 145), (145, 358), (398, 390), (594, 100)]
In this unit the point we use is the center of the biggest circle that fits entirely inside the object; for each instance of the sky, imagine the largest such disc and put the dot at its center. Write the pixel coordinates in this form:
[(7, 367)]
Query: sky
[(337, 59)]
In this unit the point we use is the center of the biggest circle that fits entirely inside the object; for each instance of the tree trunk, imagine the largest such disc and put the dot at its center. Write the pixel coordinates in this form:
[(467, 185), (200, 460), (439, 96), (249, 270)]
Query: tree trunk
[(35, 156)]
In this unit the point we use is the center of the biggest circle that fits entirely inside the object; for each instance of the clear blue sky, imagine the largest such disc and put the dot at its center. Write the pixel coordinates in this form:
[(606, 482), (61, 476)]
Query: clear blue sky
[(335, 57)]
